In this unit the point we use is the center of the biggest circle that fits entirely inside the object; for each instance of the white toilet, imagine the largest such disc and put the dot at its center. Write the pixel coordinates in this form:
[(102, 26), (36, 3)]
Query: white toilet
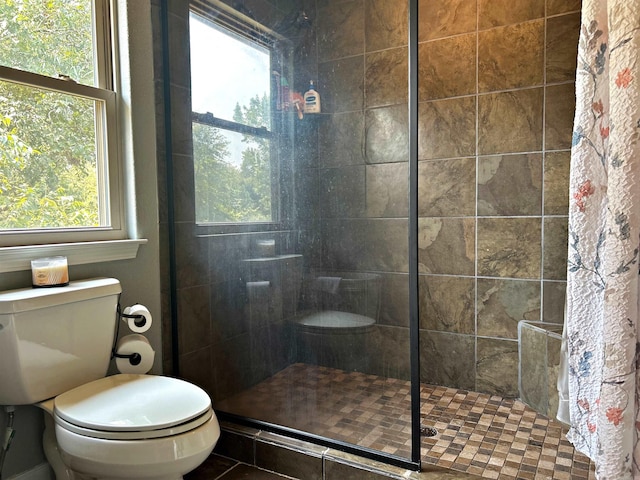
[(55, 349)]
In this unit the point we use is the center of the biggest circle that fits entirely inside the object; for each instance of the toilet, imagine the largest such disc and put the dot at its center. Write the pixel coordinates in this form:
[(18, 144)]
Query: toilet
[(55, 348)]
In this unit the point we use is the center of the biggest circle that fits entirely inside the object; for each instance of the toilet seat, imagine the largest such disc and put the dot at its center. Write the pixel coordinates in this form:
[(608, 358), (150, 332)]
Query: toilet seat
[(136, 435), (130, 407)]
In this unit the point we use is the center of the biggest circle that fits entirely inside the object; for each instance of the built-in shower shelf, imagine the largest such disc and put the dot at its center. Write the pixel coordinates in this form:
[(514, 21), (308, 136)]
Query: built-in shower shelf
[(539, 364), (314, 118)]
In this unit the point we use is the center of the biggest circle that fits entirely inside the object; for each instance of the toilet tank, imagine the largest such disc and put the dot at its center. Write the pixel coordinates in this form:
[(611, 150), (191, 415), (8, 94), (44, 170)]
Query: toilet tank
[(54, 339)]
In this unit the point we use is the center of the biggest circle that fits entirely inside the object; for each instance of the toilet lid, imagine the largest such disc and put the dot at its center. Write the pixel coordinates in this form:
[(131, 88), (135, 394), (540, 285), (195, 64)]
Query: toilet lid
[(128, 402)]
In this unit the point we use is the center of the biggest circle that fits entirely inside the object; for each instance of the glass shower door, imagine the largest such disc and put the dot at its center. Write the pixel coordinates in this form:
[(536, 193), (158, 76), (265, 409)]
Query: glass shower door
[(308, 308)]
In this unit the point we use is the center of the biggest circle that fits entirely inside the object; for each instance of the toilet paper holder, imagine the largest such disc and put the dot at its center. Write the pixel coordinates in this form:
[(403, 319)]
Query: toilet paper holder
[(139, 320), (134, 358)]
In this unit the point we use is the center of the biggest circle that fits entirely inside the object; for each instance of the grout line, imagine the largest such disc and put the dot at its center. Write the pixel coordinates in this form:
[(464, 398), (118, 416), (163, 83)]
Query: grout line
[(477, 198), (544, 157), (231, 468)]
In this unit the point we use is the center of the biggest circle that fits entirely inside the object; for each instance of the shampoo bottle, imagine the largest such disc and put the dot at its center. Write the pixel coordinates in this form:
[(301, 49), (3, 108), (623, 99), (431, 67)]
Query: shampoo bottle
[(311, 100)]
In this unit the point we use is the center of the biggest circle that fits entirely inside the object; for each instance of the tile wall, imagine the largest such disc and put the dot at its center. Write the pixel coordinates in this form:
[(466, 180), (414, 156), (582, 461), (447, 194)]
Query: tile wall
[(495, 118), (496, 113), (496, 106), (356, 160)]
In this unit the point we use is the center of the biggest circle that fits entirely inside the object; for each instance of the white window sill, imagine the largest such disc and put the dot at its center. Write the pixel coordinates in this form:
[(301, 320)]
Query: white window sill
[(13, 259)]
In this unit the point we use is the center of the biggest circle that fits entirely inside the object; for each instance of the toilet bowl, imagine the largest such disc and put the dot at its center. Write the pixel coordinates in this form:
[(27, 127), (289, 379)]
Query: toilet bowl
[(55, 347), (166, 431)]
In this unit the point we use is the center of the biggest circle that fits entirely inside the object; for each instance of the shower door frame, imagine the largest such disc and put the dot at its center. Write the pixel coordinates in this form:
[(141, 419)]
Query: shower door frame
[(414, 318)]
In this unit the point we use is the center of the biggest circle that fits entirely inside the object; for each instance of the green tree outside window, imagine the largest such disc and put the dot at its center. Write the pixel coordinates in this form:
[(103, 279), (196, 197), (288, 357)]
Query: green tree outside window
[(48, 175)]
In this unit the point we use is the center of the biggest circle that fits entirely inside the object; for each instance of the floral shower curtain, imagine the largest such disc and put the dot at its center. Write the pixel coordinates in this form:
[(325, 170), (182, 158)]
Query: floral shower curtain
[(604, 228)]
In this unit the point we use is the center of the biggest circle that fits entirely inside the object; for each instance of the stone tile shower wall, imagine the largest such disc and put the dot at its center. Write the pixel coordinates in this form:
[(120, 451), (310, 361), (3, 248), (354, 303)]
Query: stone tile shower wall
[(496, 108), (496, 112), (354, 160)]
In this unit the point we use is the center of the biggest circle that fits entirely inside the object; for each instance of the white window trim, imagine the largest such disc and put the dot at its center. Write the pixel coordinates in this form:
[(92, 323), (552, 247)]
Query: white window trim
[(82, 246), (109, 169), (106, 116), (13, 259)]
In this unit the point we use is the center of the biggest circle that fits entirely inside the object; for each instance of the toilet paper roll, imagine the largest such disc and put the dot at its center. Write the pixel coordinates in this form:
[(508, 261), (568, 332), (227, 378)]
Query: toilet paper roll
[(132, 344), (138, 325)]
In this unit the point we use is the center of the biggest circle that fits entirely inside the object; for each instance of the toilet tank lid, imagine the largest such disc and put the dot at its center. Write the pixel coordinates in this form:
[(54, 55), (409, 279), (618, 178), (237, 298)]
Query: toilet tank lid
[(25, 299)]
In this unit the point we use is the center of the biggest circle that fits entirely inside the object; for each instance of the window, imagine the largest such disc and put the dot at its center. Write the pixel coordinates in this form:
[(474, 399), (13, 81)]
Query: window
[(233, 140), (59, 177)]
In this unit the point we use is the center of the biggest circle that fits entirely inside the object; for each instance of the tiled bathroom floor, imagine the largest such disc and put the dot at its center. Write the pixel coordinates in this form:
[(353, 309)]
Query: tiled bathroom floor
[(477, 433)]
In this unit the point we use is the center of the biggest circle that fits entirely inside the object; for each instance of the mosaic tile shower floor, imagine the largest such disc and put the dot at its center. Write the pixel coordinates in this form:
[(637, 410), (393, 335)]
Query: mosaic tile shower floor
[(479, 434)]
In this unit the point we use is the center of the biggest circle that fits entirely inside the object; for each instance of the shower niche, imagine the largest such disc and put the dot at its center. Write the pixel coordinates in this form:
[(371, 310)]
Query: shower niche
[(335, 328)]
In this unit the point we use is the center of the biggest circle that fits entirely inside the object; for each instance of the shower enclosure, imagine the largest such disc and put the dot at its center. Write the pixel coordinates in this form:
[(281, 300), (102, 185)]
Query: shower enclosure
[(292, 287), (323, 265)]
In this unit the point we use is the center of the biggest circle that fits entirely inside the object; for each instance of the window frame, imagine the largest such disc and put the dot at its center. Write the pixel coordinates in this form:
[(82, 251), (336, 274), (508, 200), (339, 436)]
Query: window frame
[(236, 23), (108, 161)]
